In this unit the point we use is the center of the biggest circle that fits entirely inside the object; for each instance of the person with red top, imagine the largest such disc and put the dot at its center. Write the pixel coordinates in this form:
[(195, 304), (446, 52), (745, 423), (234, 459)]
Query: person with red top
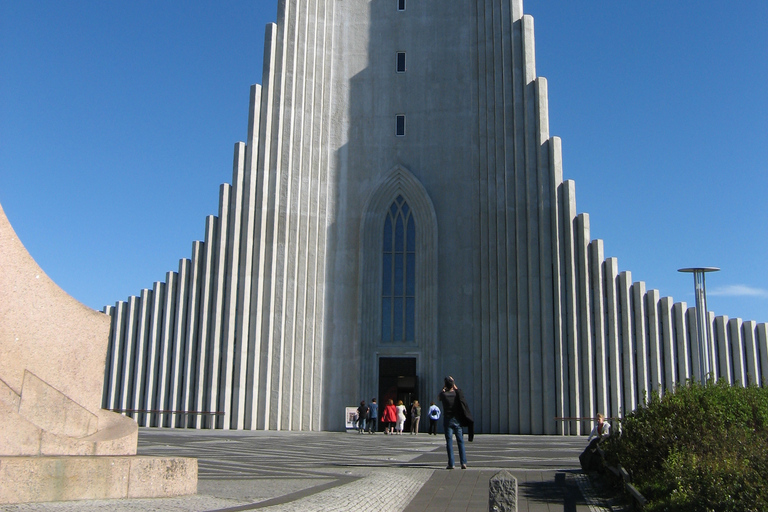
[(389, 417)]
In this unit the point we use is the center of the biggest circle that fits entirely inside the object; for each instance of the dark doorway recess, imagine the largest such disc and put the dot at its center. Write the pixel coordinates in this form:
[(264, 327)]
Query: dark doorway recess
[(397, 381)]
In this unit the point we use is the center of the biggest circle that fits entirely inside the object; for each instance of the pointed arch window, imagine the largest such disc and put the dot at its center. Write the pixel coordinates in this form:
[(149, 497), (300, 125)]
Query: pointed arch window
[(398, 304)]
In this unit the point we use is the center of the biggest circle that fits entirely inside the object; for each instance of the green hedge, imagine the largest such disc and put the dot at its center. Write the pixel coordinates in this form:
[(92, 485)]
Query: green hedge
[(701, 448)]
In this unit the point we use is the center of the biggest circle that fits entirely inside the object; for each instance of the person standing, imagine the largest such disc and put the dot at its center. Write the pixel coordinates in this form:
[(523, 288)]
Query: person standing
[(389, 417), (400, 416), (373, 413), (434, 415), (455, 413), (415, 417), (362, 417)]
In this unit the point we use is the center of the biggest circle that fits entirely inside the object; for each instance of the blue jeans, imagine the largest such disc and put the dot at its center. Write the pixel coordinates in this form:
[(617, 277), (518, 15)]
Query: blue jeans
[(453, 427)]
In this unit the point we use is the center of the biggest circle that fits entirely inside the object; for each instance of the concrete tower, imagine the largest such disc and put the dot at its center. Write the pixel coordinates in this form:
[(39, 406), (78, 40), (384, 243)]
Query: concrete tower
[(398, 213)]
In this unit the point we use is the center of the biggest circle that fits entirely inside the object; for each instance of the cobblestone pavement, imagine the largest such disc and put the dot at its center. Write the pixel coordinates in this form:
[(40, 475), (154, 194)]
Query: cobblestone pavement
[(333, 471)]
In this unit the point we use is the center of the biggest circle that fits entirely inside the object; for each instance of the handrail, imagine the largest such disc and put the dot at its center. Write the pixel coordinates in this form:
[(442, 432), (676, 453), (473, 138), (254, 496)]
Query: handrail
[(558, 418), (144, 411)]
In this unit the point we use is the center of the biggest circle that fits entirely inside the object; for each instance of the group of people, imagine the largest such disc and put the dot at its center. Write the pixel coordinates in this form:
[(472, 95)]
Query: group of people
[(366, 416), (393, 417), (455, 414)]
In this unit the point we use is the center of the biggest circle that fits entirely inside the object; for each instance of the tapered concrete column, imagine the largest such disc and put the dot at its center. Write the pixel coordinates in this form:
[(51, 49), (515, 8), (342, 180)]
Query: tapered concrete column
[(216, 340), (724, 352), (261, 223), (116, 363), (154, 350), (571, 304), (585, 318), (668, 344), (656, 355), (231, 365), (752, 357), (737, 352), (628, 342), (682, 344), (612, 321), (558, 283), (641, 342), (167, 350), (108, 377), (545, 356), (176, 385), (140, 377), (596, 259), (712, 345), (692, 331), (192, 336), (130, 343), (762, 343), (206, 321), (244, 377)]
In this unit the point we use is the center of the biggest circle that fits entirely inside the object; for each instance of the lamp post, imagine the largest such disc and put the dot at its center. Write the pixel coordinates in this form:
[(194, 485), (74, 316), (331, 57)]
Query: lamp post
[(706, 363)]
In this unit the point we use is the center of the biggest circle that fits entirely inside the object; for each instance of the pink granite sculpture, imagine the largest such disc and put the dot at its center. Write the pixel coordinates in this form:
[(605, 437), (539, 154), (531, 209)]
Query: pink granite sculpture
[(52, 427)]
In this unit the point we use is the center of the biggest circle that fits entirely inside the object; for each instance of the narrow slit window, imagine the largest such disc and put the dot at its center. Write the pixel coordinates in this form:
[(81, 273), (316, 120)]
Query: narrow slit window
[(401, 62), (400, 5), (400, 125)]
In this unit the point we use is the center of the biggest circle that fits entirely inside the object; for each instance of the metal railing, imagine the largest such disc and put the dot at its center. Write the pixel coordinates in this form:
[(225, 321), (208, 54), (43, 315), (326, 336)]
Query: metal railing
[(147, 411)]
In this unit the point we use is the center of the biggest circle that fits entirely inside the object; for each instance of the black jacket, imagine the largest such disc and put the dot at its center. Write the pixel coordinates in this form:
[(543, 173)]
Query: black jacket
[(464, 415)]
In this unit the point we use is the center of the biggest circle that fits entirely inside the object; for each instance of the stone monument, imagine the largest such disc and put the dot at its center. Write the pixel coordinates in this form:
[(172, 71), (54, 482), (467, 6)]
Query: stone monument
[(56, 443)]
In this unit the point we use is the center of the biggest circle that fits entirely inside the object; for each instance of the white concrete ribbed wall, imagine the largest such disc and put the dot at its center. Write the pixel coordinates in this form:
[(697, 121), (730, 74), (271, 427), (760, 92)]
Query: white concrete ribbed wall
[(242, 329)]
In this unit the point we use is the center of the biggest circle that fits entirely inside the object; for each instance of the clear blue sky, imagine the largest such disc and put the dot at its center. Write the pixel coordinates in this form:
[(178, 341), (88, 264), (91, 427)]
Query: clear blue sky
[(118, 121)]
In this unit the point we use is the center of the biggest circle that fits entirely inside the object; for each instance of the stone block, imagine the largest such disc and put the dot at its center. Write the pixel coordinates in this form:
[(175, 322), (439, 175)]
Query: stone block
[(38, 479), (502, 492), (162, 477), (41, 479)]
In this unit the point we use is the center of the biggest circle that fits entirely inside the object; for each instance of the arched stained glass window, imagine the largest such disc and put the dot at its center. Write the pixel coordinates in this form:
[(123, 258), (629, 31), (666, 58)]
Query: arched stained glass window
[(398, 305)]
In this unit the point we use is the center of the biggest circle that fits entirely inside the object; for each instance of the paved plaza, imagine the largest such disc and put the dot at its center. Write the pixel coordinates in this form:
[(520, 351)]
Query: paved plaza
[(335, 471)]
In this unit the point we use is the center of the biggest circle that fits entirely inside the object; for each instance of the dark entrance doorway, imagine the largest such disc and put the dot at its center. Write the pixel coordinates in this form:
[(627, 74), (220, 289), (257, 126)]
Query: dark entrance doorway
[(397, 381)]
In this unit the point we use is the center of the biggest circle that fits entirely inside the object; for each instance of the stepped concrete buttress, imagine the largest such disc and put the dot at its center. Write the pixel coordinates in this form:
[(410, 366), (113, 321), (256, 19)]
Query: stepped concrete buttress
[(56, 443)]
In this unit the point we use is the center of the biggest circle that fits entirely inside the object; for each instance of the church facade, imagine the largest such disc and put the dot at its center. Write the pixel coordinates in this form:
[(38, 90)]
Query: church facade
[(398, 213)]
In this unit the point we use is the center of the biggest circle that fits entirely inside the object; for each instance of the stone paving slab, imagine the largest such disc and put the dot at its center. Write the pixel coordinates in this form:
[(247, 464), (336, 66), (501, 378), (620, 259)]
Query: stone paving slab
[(335, 471)]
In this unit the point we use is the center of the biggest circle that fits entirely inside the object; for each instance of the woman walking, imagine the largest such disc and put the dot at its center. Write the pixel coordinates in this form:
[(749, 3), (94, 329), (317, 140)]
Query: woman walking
[(389, 417), (415, 417), (400, 416)]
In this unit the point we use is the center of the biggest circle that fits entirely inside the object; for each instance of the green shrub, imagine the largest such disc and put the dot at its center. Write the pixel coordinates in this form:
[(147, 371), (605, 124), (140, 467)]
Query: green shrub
[(701, 448)]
